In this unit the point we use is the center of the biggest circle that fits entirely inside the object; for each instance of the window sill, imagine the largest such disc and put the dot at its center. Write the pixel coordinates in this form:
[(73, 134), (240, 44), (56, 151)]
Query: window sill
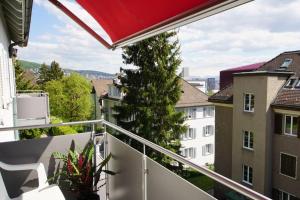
[(294, 178), (247, 183), (289, 135), (209, 154), (188, 139), (249, 111), (248, 149)]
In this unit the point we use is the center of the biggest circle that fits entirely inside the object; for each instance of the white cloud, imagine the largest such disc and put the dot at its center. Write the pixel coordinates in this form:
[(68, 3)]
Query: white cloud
[(254, 32)]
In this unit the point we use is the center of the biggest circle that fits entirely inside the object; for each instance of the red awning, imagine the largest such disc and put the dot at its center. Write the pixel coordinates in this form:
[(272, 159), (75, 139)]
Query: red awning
[(127, 21)]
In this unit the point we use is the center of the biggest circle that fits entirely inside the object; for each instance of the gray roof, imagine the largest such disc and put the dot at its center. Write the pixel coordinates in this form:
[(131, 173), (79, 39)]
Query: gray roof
[(17, 15), (191, 96)]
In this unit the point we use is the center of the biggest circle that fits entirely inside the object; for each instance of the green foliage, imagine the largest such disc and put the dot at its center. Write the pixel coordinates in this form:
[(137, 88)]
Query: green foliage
[(46, 73), (29, 65), (55, 72), (77, 172), (152, 92), (22, 83), (31, 133), (70, 98), (61, 130)]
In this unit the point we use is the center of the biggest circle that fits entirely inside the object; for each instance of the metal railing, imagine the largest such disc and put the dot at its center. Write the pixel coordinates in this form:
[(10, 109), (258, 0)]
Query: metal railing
[(209, 173)]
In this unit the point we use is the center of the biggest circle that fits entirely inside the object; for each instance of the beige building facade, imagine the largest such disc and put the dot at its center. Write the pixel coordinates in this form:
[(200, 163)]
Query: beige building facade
[(257, 129)]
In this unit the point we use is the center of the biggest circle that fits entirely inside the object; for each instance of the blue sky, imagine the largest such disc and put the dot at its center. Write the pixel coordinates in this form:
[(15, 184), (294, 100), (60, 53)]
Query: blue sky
[(254, 32)]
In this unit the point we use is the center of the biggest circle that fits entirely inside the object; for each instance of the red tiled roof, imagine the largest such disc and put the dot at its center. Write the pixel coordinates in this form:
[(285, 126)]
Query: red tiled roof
[(251, 67)]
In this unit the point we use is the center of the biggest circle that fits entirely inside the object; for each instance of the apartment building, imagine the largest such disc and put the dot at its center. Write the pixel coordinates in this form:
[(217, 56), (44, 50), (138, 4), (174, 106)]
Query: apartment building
[(257, 128), (198, 142)]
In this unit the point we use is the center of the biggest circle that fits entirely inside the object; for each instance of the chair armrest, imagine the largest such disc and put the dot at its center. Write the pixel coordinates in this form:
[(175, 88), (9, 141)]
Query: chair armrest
[(39, 167)]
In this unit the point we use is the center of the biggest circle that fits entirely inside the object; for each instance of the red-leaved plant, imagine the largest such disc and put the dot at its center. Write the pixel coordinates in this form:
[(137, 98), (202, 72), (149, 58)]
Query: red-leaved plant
[(78, 172)]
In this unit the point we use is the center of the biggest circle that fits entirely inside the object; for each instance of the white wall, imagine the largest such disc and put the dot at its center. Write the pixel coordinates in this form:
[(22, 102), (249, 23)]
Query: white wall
[(7, 85), (200, 140)]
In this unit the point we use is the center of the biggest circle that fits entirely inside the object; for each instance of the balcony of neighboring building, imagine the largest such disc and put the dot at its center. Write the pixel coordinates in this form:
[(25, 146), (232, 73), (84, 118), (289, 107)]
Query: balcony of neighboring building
[(32, 108)]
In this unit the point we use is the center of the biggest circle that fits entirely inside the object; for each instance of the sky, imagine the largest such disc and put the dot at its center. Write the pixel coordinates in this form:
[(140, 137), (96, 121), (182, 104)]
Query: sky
[(254, 32)]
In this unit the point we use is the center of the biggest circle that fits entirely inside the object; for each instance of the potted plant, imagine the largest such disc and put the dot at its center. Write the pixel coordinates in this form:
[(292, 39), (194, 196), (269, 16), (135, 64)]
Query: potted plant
[(78, 174)]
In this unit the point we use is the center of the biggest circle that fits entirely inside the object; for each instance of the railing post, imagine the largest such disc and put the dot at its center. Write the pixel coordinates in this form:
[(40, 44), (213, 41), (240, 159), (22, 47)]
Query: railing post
[(105, 155), (145, 173), (93, 137)]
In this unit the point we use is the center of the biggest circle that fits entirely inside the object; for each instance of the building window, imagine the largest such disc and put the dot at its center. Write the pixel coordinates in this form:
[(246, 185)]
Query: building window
[(285, 196), (247, 174), (288, 165), (208, 111), (189, 152), (291, 125), (249, 102), (286, 63), (190, 134), (248, 140), (191, 113), (208, 130), (290, 83), (207, 149)]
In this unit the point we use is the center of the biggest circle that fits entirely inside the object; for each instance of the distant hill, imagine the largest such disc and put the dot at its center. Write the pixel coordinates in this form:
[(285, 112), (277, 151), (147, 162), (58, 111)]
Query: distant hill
[(89, 74), (29, 65)]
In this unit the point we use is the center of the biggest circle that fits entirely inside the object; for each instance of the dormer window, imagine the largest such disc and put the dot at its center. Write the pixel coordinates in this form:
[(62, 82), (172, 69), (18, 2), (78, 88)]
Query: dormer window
[(290, 83), (286, 63), (298, 84)]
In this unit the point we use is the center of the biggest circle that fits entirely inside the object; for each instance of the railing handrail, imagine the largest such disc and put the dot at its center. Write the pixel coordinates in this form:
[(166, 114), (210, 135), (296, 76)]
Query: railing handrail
[(15, 128), (209, 173)]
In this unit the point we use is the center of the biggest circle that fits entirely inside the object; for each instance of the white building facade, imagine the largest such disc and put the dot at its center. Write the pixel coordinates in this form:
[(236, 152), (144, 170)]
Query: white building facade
[(15, 17), (198, 143), (7, 84)]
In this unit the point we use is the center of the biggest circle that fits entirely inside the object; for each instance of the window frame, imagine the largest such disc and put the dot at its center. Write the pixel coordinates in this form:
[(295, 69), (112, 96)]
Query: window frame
[(296, 167), (248, 140), (205, 111), (206, 130), (250, 102), (186, 135), (291, 85), (292, 123), (288, 194), (288, 61), (191, 152), (191, 113), (248, 175), (207, 153)]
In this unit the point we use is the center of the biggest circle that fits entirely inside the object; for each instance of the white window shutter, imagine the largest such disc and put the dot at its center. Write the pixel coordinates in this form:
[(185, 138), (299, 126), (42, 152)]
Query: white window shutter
[(194, 156), (194, 133), (203, 131), (203, 150)]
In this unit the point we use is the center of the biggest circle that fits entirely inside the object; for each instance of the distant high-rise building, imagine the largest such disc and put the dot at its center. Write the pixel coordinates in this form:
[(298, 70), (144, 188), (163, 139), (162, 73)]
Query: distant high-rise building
[(185, 72), (211, 84)]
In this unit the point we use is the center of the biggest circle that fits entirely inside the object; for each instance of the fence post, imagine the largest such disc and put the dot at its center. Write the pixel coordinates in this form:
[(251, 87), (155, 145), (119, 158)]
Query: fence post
[(145, 173)]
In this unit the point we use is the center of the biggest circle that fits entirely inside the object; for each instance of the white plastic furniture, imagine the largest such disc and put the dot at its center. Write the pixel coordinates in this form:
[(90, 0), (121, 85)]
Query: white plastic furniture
[(44, 190)]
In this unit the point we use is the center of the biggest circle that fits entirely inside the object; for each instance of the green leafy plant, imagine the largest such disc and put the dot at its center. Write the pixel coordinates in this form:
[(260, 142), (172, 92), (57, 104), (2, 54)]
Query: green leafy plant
[(78, 174)]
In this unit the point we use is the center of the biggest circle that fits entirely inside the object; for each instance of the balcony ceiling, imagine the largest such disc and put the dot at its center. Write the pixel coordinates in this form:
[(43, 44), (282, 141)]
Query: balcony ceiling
[(129, 21), (17, 14)]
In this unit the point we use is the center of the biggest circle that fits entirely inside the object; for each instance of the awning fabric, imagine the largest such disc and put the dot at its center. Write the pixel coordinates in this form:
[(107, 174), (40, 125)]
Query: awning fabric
[(127, 20)]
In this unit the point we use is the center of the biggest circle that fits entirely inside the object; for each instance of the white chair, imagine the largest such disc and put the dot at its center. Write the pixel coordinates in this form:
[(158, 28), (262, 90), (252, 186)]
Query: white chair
[(44, 190)]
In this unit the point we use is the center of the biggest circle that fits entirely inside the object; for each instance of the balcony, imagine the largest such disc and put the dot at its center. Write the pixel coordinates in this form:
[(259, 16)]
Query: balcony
[(138, 176), (32, 108)]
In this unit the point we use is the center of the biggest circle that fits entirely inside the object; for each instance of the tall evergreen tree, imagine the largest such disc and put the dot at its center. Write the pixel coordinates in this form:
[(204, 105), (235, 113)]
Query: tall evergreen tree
[(43, 74), (152, 91), (55, 72), (46, 73)]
